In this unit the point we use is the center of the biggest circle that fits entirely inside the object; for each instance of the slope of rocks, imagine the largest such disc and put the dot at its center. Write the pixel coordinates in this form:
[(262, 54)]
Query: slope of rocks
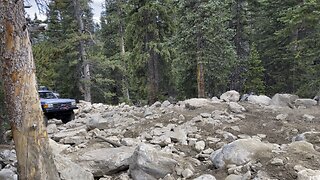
[(257, 138)]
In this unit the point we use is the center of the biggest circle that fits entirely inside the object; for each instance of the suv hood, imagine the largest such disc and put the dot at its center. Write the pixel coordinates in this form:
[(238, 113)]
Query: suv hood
[(55, 101)]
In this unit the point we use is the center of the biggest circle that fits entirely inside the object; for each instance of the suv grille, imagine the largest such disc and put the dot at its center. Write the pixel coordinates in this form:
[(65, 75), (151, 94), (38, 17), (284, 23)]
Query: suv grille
[(61, 105)]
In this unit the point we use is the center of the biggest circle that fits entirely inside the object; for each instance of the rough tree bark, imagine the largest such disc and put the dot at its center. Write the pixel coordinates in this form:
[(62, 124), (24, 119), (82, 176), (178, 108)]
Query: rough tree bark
[(200, 70), (123, 52), (34, 155), (82, 52)]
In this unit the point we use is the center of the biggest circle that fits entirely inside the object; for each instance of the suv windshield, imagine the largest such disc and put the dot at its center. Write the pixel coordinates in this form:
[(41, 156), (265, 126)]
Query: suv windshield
[(47, 95)]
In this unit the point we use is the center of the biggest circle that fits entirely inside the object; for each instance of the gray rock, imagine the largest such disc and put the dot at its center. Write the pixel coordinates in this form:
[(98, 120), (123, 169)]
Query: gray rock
[(106, 161), (230, 96), (261, 100), (97, 121), (197, 102), (69, 170), (52, 128), (216, 100), (148, 163), (130, 141), (165, 104), (147, 112), (156, 104), (187, 173), (234, 177), (8, 174), (236, 108), (205, 177), (283, 100), (57, 148), (308, 117), (74, 140), (8, 156), (69, 133), (241, 151), (277, 162), (261, 175), (281, 117), (205, 115), (309, 174), (305, 103), (179, 136), (200, 145)]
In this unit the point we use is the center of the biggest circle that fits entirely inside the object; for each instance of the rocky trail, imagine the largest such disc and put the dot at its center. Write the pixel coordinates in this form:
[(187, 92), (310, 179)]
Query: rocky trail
[(203, 139)]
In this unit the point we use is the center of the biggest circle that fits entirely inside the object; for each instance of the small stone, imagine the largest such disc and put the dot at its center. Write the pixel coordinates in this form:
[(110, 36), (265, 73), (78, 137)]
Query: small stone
[(168, 177), (235, 128), (181, 117), (187, 173), (244, 136), (233, 177), (277, 162), (308, 117), (205, 177), (208, 151), (199, 146), (205, 115), (281, 117), (159, 125), (262, 136)]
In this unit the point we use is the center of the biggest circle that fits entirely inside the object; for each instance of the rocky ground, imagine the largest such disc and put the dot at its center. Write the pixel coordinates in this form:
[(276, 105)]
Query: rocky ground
[(203, 139)]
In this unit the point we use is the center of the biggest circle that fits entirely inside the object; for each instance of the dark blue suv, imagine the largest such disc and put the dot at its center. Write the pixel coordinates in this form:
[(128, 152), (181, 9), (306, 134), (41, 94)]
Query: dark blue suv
[(54, 107)]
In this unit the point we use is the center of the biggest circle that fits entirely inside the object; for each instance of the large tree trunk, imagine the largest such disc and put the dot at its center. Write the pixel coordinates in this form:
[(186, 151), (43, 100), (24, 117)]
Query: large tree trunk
[(34, 155), (82, 52), (123, 54), (200, 71)]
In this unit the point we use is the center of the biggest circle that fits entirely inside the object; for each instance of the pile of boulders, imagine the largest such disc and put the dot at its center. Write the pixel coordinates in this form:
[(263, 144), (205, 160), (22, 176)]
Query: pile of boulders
[(190, 139)]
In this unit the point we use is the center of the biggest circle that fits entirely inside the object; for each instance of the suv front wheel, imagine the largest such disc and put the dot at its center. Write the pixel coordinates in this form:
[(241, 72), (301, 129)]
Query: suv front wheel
[(68, 117)]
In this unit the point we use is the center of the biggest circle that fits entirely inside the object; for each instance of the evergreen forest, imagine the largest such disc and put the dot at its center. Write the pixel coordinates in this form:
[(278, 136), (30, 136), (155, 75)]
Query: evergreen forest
[(143, 51)]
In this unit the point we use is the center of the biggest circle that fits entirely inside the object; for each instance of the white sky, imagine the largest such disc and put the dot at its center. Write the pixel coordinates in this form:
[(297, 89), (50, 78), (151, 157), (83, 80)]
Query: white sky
[(96, 9)]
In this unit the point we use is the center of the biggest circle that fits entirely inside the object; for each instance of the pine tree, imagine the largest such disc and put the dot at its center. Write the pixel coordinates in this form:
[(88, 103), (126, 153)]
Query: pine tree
[(205, 51), (254, 73), (113, 23), (149, 27)]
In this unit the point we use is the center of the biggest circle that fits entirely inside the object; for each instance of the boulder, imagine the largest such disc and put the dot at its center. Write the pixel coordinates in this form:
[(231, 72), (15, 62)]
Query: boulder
[(8, 156), (236, 108), (57, 148), (97, 121), (309, 174), (230, 96), (197, 102), (148, 163), (69, 133), (283, 100), (106, 161), (305, 103), (8, 174), (240, 152), (69, 170), (261, 100)]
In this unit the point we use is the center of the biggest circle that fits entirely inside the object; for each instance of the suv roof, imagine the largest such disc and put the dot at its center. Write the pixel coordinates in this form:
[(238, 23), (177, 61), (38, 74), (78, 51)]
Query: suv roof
[(44, 91)]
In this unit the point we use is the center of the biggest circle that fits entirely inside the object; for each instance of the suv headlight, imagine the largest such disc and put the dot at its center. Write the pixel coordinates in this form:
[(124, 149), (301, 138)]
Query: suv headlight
[(73, 103), (48, 105)]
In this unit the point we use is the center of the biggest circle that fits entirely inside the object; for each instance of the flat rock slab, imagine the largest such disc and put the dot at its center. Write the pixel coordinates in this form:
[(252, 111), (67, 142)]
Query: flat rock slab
[(149, 163), (106, 161)]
